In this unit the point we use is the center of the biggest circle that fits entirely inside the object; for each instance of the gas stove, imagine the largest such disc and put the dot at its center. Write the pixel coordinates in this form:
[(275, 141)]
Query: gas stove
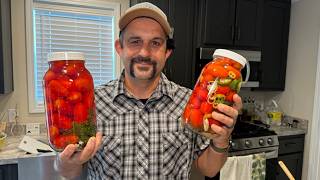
[(249, 138)]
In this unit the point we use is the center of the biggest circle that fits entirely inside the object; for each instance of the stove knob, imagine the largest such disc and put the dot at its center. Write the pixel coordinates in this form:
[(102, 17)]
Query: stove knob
[(270, 141), (248, 143), (261, 142)]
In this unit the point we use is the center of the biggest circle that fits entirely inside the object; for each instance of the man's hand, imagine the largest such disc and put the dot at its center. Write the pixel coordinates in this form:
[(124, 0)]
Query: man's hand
[(227, 116), (69, 162)]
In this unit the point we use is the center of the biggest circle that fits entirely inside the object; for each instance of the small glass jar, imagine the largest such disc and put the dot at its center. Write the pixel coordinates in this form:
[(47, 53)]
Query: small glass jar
[(219, 80), (69, 100)]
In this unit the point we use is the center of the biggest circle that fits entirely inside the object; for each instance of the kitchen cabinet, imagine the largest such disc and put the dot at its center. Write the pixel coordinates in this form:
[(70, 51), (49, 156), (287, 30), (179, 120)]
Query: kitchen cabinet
[(6, 74), (180, 13), (291, 153), (230, 23), (9, 172), (276, 18)]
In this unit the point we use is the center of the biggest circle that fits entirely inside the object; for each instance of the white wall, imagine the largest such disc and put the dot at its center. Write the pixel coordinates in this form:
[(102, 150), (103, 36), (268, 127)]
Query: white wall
[(19, 97), (297, 99)]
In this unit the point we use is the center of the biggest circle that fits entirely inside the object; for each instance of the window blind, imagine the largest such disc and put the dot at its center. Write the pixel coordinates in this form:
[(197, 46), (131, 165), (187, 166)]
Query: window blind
[(69, 31)]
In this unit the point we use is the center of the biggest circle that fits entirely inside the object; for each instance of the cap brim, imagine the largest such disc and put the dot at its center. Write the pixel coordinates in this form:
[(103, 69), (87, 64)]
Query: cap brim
[(144, 12)]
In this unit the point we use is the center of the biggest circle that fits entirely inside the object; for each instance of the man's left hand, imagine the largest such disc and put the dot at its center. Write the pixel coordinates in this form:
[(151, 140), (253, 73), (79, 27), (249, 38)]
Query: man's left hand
[(227, 116)]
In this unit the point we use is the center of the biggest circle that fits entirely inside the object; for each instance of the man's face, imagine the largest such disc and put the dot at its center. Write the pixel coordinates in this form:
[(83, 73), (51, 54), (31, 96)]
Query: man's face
[(143, 51)]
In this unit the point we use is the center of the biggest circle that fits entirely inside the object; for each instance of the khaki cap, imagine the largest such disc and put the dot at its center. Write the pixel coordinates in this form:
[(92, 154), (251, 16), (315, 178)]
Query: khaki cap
[(145, 9)]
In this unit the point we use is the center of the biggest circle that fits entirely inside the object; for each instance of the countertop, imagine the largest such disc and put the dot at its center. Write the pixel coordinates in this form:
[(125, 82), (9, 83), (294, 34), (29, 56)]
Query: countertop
[(10, 153), (288, 131)]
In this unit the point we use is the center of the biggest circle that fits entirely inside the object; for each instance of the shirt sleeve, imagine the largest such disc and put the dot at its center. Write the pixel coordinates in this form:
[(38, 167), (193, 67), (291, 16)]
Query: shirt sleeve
[(200, 144)]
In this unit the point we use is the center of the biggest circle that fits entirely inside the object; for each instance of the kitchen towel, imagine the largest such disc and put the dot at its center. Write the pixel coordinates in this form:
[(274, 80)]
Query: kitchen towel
[(259, 166), (244, 168)]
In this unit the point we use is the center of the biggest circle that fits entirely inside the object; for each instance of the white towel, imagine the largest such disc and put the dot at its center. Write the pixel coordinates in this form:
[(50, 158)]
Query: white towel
[(237, 168), (244, 168)]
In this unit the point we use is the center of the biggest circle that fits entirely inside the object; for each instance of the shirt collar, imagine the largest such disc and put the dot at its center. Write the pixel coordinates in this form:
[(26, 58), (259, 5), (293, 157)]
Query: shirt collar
[(165, 87)]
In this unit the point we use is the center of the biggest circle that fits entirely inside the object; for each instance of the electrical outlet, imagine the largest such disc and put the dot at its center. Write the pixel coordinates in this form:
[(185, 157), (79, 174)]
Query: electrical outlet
[(12, 114), (32, 129)]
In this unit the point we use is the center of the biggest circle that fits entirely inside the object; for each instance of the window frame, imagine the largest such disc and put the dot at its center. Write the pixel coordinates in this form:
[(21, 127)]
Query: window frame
[(94, 7)]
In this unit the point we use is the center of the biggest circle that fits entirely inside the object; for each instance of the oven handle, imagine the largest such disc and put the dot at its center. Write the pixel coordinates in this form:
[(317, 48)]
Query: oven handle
[(271, 154)]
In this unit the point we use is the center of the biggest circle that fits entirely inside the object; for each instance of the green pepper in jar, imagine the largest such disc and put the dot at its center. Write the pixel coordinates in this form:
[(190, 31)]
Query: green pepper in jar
[(224, 81), (235, 85)]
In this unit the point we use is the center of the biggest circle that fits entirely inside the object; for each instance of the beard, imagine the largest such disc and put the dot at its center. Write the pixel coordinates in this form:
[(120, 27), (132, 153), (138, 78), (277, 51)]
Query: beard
[(145, 60)]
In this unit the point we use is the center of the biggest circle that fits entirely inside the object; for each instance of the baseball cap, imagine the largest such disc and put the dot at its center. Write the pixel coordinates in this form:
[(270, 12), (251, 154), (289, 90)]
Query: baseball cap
[(145, 9)]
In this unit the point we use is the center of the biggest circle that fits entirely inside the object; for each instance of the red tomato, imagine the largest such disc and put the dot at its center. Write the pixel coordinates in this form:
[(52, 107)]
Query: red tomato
[(49, 108), (196, 118), (56, 87), (213, 121), (206, 77), (64, 123), (237, 65), (224, 61), (57, 66), (186, 112), (62, 107), (223, 90), (217, 71), (234, 70), (88, 99), (61, 142), (82, 84), (195, 102), (61, 121), (50, 95), (74, 97), (53, 131), (80, 113), (206, 108), (65, 81), (50, 75), (71, 70), (229, 96), (201, 93)]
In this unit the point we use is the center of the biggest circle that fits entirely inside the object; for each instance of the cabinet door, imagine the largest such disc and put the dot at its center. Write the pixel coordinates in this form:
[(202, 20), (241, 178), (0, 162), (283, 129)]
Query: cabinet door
[(9, 172), (276, 19), (293, 163), (248, 23), (180, 14), (216, 22), (6, 71), (179, 65)]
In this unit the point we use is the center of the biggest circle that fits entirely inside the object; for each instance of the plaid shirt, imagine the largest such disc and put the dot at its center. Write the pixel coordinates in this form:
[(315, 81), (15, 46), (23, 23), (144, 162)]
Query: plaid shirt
[(143, 141)]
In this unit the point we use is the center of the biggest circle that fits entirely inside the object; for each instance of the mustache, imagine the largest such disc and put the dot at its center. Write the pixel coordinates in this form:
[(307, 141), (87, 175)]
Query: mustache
[(140, 59)]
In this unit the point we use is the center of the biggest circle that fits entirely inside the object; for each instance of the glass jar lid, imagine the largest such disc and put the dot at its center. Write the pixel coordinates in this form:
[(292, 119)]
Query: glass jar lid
[(68, 55), (231, 55)]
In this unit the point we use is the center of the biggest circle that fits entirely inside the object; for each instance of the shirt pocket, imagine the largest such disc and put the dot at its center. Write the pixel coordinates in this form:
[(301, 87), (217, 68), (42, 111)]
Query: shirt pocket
[(176, 155), (108, 159)]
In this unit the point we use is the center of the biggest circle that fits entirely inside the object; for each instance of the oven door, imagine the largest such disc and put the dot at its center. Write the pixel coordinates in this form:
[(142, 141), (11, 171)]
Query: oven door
[(271, 161)]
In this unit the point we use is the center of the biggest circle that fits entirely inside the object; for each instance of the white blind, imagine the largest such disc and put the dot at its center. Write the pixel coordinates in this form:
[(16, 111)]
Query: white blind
[(69, 31)]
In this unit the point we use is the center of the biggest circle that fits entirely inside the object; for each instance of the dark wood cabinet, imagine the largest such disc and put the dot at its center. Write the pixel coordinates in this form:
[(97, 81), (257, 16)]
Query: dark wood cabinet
[(230, 23), (180, 13), (291, 153), (9, 172), (6, 74), (261, 25), (276, 18)]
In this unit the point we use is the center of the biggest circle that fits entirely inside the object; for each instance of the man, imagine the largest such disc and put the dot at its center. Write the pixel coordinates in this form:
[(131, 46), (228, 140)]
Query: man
[(139, 114)]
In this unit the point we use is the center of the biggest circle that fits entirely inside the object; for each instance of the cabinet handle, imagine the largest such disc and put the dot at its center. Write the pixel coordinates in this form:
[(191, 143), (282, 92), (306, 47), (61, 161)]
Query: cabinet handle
[(238, 35), (232, 32)]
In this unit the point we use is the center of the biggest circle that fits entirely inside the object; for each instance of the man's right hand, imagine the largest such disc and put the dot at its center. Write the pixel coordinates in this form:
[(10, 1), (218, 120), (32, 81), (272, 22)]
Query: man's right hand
[(69, 162)]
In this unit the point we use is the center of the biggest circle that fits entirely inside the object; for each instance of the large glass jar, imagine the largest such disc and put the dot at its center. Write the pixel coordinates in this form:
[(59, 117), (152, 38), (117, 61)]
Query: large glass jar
[(69, 100), (219, 80)]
